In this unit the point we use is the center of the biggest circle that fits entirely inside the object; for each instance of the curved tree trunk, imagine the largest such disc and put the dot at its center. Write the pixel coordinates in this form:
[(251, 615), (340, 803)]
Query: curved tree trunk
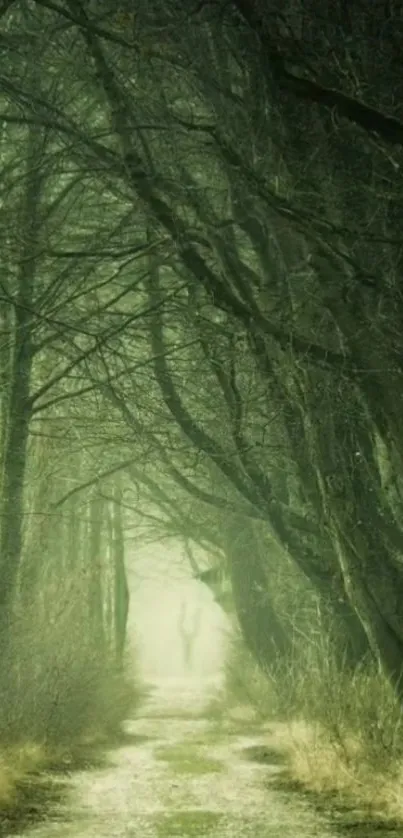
[(386, 642), (261, 628)]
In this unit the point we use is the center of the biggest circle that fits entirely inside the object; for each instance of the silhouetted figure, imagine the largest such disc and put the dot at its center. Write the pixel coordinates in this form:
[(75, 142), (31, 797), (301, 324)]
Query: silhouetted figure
[(188, 633)]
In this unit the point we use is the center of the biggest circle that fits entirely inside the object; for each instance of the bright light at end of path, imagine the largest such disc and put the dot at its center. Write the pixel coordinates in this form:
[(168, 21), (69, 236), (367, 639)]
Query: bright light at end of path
[(178, 628)]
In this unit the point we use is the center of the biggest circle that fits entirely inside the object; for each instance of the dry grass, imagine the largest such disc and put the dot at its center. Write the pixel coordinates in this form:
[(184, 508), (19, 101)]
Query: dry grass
[(16, 763), (19, 761), (56, 711), (340, 732), (246, 694), (318, 764), (62, 693)]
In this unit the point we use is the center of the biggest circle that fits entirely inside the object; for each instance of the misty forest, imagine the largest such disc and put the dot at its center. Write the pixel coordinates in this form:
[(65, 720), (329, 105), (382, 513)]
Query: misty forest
[(201, 402)]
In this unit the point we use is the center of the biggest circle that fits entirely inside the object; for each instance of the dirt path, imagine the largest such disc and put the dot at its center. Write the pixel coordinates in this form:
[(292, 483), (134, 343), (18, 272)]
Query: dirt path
[(180, 776)]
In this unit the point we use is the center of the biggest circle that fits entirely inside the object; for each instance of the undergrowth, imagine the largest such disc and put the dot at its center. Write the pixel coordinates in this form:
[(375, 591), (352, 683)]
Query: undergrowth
[(60, 697), (341, 730)]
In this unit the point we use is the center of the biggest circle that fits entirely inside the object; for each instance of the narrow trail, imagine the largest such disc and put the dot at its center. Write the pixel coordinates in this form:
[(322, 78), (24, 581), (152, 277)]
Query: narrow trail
[(180, 776)]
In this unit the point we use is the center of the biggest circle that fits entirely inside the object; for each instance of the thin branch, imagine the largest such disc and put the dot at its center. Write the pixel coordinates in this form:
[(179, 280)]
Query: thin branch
[(120, 467), (370, 119), (105, 34), (137, 250)]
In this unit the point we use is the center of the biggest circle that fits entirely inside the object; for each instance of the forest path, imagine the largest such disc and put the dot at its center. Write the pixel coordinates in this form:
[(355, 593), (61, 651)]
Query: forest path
[(178, 774)]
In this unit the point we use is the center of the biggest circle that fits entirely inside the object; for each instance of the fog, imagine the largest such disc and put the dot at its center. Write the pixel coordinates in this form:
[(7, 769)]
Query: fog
[(168, 606)]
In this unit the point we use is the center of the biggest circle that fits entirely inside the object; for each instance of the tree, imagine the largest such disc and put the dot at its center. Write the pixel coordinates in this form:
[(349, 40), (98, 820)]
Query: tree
[(270, 254)]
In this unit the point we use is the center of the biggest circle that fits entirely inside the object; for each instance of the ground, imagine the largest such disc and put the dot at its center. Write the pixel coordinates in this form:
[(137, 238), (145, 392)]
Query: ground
[(179, 774)]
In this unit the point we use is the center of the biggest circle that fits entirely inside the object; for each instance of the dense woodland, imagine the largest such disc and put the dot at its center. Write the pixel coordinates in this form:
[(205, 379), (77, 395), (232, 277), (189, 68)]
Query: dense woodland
[(201, 327)]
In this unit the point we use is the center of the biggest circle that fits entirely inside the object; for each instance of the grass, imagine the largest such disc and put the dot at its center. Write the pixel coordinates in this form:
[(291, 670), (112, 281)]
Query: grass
[(340, 771), (246, 696), (185, 759), (24, 757), (217, 733), (341, 733), (179, 715), (24, 761), (187, 824), (16, 762)]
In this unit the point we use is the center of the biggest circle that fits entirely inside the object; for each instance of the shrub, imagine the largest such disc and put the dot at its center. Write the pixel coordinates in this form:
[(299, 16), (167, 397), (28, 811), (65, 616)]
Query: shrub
[(342, 731)]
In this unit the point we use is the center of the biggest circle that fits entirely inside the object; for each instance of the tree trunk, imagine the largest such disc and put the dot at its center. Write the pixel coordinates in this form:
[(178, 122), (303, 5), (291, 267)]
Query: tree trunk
[(262, 630), (110, 582), (121, 589), (385, 641), (95, 577), (19, 407), (73, 535)]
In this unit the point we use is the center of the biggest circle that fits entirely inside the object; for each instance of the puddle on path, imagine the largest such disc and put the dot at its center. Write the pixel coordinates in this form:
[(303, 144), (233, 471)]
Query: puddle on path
[(176, 776)]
